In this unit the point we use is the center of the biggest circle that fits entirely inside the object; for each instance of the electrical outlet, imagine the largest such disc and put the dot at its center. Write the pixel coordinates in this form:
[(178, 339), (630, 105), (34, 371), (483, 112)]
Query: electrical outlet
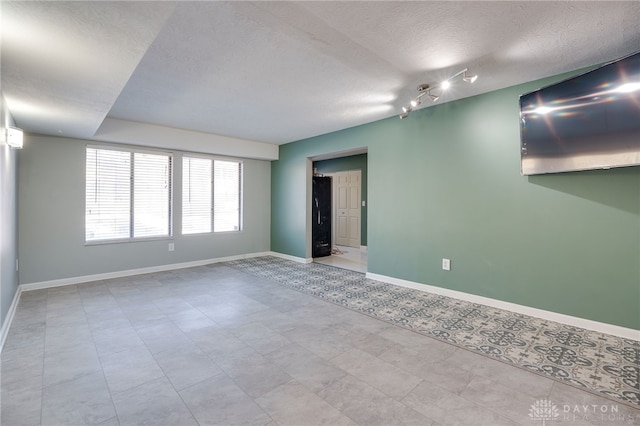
[(446, 264), (172, 247)]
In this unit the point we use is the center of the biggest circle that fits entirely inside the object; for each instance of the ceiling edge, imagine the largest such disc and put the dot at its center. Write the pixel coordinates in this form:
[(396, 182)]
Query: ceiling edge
[(152, 135)]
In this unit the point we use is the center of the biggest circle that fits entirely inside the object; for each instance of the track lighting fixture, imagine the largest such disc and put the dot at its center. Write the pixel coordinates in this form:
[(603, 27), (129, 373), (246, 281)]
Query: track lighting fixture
[(425, 89)]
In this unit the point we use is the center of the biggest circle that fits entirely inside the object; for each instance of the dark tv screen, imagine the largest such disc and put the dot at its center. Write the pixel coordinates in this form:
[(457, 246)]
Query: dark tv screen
[(591, 121)]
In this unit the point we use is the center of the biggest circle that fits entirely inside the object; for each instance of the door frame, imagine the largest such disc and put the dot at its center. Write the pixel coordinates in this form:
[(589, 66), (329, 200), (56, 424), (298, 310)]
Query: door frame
[(333, 207), (309, 192)]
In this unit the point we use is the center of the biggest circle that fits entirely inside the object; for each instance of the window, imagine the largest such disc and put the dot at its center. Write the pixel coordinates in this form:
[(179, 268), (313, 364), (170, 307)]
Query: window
[(211, 195), (128, 195), (196, 195), (226, 195)]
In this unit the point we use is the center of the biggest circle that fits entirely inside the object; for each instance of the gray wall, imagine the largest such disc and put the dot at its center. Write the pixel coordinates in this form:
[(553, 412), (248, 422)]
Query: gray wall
[(8, 217), (51, 209)]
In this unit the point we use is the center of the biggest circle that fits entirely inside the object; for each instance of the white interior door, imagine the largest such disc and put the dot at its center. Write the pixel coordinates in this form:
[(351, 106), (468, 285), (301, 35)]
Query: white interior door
[(348, 199)]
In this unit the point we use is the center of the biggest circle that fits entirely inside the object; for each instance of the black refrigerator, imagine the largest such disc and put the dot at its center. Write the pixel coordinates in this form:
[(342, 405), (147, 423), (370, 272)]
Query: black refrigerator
[(321, 220)]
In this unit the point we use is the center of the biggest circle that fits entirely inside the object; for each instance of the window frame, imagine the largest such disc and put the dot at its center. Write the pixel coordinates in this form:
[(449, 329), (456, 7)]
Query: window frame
[(213, 159), (170, 196)]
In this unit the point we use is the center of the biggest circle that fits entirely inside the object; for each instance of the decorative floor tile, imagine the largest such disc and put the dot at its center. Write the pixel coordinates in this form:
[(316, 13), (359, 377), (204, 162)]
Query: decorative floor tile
[(602, 364)]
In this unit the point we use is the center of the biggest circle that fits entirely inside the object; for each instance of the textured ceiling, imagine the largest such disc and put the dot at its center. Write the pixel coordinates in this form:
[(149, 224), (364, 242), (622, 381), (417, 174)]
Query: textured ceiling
[(64, 64), (277, 72)]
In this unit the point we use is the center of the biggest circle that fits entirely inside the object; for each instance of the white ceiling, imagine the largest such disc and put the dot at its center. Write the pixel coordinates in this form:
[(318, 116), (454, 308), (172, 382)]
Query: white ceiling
[(277, 72)]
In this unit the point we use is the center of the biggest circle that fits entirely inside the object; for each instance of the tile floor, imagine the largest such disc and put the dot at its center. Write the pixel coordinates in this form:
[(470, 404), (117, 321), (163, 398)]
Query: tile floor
[(601, 363), (214, 345), (351, 258)]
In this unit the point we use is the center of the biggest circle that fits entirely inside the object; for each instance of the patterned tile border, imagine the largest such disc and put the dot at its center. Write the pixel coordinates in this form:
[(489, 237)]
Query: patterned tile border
[(599, 363)]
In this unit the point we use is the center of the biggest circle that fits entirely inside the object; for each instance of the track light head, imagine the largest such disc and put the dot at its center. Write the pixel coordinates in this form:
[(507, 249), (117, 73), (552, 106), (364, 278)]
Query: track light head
[(403, 116), (445, 85), (433, 97), (415, 102), (407, 109), (469, 78)]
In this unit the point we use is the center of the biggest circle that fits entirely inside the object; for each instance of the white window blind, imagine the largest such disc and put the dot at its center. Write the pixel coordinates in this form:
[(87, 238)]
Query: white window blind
[(108, 195), (128, 195), (226, 195), (196, 195), (151, 195), (211, 195)]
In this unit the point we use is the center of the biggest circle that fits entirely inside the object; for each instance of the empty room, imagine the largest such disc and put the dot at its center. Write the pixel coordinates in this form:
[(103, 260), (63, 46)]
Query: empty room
[(319, 213)]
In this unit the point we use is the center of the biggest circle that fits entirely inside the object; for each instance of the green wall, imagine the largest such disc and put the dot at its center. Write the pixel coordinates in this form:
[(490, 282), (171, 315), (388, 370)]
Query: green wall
[(446, 183), (343, 164)]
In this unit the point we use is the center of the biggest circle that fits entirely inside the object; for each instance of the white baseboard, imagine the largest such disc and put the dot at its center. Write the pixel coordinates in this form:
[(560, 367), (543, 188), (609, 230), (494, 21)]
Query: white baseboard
[(363, 248), (6, 325), (152, 269), (292, 258), (627, 333), (132, 272)]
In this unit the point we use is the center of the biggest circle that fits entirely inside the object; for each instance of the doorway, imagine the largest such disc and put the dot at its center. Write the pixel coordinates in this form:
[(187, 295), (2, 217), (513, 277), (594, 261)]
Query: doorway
[(349, 209)]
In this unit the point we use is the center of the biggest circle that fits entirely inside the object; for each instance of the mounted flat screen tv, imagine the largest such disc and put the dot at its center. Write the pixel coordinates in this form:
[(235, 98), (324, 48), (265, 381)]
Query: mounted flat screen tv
[(591, 121)]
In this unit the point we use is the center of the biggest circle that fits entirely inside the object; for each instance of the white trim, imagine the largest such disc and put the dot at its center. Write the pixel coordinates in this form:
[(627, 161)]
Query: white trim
[(627, 333), (6, 325), (131, 272), (292, 258), (363, 248), (114, 130), (152, 269)]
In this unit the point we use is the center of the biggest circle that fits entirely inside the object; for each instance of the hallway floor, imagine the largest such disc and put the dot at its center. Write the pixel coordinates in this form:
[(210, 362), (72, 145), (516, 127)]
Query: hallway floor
[(351, 258)]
